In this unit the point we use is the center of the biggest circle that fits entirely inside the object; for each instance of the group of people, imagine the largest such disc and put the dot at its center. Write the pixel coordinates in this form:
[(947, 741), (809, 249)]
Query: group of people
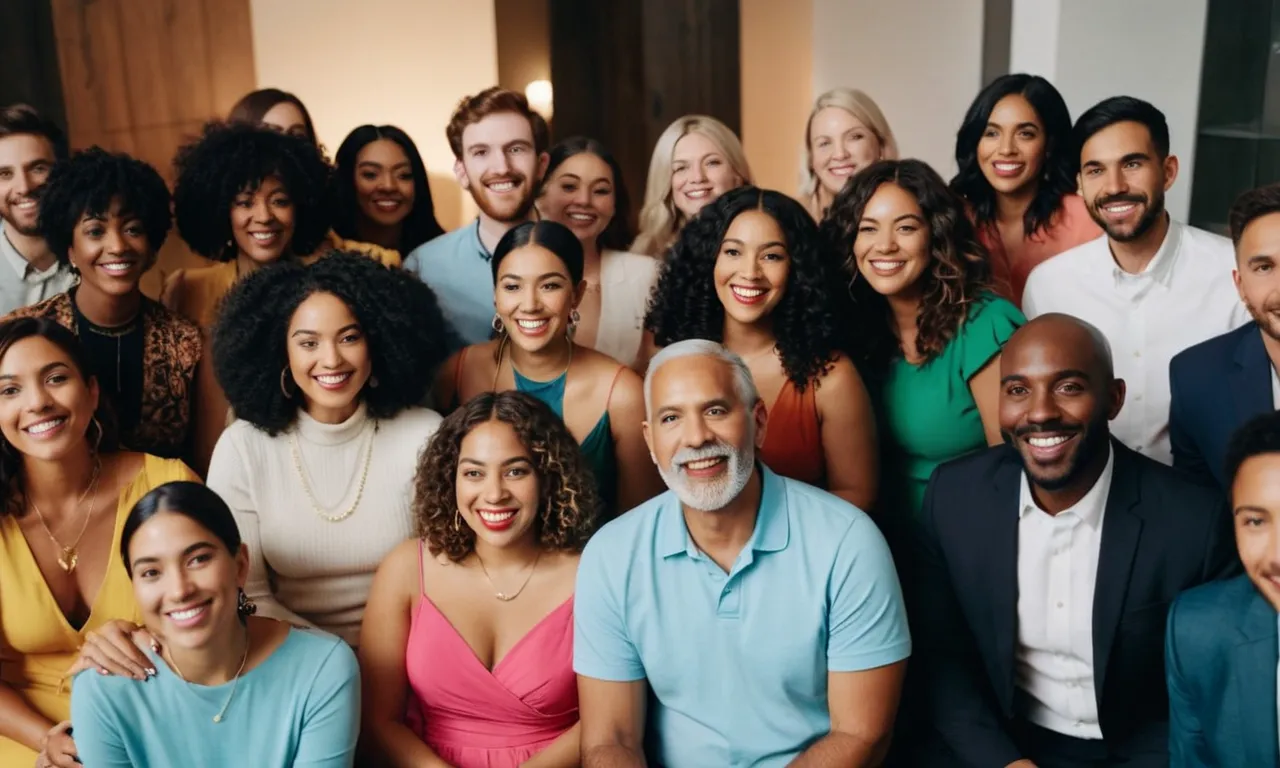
[(891, 471)]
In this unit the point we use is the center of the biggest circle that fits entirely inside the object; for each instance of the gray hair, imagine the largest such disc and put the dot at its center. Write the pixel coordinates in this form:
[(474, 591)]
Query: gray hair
[(743, 384)]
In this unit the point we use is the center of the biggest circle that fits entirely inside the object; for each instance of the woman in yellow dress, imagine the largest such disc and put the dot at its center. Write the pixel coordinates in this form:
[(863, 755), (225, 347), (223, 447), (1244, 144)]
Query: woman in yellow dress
[(66, 491)]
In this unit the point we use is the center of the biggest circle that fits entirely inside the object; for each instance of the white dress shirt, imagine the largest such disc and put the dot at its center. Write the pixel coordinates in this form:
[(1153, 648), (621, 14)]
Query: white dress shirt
[(21, 284), (1183, 297), (1057, 570)]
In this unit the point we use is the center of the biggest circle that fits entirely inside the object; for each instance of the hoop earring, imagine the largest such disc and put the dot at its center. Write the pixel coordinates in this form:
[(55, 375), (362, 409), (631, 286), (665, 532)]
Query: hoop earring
[(283, 389), (244, 606), (457, 519), (97, 441), (498, 326)]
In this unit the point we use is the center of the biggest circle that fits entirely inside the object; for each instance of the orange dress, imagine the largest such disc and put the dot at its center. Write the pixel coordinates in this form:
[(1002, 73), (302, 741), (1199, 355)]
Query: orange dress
[(1069, 227), (793, 438)]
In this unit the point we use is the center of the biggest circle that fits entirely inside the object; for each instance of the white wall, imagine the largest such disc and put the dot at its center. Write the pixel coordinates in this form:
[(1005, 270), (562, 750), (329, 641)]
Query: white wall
[(1150, 49), (402, 62), (921, 60)]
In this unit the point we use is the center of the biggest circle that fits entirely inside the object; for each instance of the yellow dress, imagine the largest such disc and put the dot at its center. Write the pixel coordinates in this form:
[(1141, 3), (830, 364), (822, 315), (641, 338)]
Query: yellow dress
[(37, 644), (195, 293)]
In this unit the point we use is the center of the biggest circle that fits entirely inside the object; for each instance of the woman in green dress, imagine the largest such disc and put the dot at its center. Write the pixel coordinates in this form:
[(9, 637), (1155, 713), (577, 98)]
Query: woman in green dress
[(932, 327), (537, 274)]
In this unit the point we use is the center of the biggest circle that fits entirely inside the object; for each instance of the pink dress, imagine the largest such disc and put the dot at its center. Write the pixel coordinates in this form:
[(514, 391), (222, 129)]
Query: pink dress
[(476, 718)]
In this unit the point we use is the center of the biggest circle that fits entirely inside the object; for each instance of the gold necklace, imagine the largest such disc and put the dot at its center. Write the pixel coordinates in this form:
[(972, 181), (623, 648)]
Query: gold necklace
[(235, 682), (320, 511), (503, 596), (68, 557)]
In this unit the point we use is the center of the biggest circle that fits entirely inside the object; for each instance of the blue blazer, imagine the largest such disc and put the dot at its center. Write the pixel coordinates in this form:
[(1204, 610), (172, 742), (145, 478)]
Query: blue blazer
[(1220, 661), (1215, 387)]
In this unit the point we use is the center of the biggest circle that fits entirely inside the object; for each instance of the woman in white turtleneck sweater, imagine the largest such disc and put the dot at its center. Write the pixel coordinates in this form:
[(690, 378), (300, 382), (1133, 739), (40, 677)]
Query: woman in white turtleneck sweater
[(323, 366)]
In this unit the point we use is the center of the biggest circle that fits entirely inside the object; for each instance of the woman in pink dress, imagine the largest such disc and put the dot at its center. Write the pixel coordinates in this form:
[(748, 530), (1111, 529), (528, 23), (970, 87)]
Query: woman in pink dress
[(466, 650), (1018, 178)]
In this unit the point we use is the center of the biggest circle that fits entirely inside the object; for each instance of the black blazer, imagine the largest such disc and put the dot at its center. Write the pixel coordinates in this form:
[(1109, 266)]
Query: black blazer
[(1215, 387), (1161, 533)]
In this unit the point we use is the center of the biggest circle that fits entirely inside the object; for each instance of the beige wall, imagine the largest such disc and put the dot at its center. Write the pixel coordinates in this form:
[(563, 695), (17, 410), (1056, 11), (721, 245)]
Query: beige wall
[(402, 62), (524, 42), (777, 88)]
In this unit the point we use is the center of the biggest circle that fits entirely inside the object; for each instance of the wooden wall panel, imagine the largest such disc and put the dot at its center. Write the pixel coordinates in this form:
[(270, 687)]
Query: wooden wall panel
[(142, 76)]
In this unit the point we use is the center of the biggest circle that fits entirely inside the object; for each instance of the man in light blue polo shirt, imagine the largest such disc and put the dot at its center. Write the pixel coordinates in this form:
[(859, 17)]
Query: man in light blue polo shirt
[(764, 613), (500, 150)]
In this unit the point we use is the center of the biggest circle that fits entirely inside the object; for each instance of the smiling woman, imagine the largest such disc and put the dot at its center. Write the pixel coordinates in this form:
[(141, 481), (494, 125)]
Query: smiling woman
[(66, 492), (105, 216), (324, 365)]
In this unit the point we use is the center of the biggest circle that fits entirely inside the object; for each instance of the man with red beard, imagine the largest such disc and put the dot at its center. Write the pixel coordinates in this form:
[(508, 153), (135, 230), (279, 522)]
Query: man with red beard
[(29, 146), (1218, 385), (500, 150), (1152, 285)]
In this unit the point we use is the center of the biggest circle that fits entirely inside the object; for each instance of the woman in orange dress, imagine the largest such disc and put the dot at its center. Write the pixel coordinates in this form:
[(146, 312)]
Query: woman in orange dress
[(752, 272), (66, 492)]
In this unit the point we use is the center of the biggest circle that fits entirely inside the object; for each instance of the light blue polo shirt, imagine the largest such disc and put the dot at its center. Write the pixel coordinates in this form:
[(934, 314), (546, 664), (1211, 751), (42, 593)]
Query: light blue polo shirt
[(738, 662), (456, 267)]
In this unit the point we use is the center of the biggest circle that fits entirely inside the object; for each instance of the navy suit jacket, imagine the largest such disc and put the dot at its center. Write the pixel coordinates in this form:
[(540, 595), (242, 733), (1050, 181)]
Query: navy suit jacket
[(1162, 534), (1215, 387), (1220, 658)]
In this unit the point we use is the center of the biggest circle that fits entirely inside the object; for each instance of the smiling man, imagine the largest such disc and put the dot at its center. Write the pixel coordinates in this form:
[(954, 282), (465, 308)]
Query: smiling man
[(1046, 569), (29, 146), (764, 614), (500, 150), (1152, 285)]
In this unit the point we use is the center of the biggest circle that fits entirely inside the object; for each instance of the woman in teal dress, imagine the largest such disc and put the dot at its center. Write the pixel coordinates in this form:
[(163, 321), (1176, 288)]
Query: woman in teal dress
[(537, 274), (932, 328)]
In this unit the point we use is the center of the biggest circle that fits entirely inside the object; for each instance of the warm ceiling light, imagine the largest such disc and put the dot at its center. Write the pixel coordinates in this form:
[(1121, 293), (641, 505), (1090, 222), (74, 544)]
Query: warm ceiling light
[(539, 95)]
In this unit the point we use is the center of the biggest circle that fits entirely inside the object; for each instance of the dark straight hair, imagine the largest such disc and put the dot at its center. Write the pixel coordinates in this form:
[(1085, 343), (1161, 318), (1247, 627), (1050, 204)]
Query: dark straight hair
[(420, 225), (103, 437), (1061, 160), (553, 236), (17, 119), (617, 235), (255, 105), (1122, 109), (191, 500)]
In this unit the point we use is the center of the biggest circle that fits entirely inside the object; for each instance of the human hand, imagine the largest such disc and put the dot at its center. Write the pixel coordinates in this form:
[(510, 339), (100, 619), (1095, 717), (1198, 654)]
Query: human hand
[(116, 648), (57, 750)]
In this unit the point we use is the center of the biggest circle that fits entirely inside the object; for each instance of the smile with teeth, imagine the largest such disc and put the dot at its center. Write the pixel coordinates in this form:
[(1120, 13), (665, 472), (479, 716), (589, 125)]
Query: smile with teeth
[(505, 185), (583, 217), (26, 205), (885, 265), (841, 170), (697, 194), (496, 515), (41, 427), (187, 614), (1008, 167), (702, 464), (118, 267), (1119, 209), (333, 379), (387, 205), (744, 292), (264, 237), (1048, 442), (533, 325)]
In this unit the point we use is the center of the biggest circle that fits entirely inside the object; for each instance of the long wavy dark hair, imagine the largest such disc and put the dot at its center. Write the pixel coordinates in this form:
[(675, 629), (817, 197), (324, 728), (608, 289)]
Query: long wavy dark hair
[(420, 225), (1061, 163), (102, 435), (959, 272), (255, 105), (569, 506), (617, 234), (812, 322)]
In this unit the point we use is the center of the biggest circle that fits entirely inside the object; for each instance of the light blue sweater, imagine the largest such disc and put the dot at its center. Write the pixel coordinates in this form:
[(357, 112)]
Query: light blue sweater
[(299, 707)]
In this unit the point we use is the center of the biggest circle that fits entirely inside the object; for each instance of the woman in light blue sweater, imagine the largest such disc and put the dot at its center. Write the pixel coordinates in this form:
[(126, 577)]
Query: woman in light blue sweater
[(227, 688)]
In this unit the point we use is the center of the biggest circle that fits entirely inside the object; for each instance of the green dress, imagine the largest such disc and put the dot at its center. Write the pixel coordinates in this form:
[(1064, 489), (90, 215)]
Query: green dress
[(927, 414)]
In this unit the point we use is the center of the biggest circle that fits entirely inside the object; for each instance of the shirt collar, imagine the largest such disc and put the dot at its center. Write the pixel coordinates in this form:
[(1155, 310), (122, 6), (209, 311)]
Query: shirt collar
[(1160, 268), (1089, 508), (773, 521), (21, 266)]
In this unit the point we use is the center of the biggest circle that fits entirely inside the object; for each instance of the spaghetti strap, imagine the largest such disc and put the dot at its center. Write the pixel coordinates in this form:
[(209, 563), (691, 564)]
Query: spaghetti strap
[(457, 374), (609, 397), (422, 590)]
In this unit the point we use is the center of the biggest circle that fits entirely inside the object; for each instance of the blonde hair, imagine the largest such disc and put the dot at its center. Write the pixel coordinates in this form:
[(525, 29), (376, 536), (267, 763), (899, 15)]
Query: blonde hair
[(867, 112), (660, 220)]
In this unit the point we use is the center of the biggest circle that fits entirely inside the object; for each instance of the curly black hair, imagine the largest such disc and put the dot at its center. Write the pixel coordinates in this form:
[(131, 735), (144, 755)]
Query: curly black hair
[(568, 507), (231, 158), (420, 225), (812, 322), (960, 270), (86, 185), (408, 337), (1061, 159)]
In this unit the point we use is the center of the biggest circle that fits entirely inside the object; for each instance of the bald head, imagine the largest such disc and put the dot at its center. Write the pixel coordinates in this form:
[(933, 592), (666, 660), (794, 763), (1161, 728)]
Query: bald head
[(1077, 344)]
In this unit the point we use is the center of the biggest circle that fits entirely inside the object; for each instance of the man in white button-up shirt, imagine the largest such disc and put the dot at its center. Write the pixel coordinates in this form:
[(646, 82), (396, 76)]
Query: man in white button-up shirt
[(1153, 286), (1046, 569)]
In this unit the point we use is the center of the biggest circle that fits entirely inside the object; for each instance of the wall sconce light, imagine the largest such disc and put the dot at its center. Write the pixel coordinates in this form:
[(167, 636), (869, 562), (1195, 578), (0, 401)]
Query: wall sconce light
[(540, 97)]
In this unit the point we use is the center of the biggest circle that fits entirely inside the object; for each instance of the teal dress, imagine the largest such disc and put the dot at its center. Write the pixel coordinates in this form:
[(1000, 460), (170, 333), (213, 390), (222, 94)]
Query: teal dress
[(597, 446), (927, 414)]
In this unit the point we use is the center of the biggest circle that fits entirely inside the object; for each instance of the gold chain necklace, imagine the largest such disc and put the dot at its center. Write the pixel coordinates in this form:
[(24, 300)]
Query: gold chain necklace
[(503, 596), (235, 682), (320, 511), (68, 557)]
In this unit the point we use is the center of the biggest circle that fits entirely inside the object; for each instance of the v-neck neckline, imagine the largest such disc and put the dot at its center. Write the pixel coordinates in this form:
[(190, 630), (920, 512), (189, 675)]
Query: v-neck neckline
[(492, 671)]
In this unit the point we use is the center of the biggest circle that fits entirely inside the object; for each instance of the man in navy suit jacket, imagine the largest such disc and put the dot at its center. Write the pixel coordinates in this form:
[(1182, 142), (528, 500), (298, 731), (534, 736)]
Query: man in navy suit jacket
[(1220, 384), (1220, 651)]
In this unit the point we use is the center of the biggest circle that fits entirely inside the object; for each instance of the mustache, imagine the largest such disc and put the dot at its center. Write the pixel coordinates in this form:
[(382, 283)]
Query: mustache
[(515, 178), (1127, 198), (716, 450), (1058, 426)]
